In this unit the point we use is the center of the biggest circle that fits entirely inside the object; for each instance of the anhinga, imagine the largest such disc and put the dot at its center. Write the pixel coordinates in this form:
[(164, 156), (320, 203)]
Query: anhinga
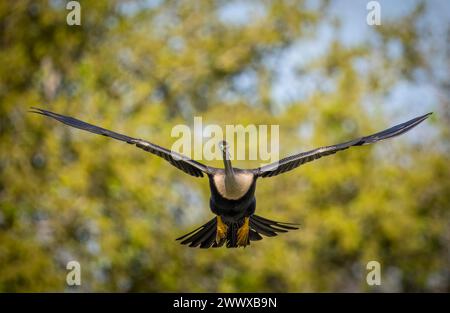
[(233, 189)]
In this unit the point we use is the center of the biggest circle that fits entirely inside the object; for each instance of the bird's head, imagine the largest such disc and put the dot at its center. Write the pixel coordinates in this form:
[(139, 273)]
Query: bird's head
[(223, 145), (225, 148)]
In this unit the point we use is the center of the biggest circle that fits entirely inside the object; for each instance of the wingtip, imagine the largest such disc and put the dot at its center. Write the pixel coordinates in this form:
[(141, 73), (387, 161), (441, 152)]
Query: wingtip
[(416, 121), (36, 110), (425, 116)]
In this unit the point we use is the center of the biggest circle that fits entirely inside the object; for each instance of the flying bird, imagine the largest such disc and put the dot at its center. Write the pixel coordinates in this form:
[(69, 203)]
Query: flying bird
[(233, 189)]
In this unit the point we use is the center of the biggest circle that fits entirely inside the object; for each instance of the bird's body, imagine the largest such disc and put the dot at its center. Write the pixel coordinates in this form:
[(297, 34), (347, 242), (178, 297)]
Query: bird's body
[(233, 189), (231, 198)]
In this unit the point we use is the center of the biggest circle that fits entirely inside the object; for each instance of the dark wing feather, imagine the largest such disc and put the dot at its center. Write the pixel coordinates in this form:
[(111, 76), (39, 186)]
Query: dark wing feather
[(289, 163), (181, 162)]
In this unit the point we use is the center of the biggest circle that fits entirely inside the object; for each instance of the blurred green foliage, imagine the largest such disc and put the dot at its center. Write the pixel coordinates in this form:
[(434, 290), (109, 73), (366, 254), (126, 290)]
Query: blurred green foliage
[(141, 69)]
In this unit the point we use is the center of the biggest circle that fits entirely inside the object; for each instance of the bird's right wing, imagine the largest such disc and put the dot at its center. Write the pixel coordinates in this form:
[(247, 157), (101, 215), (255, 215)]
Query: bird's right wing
[(294, 161), (180, 161)]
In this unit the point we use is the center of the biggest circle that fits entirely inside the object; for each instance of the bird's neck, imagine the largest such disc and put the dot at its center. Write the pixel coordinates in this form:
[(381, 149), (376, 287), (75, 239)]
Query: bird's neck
[(229, 172)]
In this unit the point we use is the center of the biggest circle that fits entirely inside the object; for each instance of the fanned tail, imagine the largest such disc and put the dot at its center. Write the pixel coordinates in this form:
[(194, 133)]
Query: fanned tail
[(205, 235)]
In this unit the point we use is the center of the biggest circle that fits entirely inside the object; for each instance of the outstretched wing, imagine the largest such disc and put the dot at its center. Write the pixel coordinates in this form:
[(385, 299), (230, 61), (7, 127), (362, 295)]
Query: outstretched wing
[(294, 161), (181, 162)]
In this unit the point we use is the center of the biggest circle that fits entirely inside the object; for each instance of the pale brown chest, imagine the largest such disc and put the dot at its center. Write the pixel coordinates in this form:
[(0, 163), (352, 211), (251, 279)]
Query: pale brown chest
[(233, 189)]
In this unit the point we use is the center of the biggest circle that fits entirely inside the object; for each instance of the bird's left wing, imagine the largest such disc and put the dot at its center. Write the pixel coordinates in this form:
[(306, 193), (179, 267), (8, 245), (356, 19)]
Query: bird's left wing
[(294, 161), (180, 161)]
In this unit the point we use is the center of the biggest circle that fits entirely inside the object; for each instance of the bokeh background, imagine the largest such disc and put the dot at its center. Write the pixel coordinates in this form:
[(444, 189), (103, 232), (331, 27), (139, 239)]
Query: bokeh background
[(140, 67)]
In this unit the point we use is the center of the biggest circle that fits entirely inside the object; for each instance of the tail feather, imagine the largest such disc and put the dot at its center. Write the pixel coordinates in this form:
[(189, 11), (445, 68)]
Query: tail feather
[(254, 236), (203, 226), (205, 235), (232, 235), (264, 229), (197, 236), (285, 225)]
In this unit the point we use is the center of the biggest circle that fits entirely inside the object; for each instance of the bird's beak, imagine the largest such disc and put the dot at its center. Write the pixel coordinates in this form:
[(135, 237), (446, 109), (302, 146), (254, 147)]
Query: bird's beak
[(225, 151)]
